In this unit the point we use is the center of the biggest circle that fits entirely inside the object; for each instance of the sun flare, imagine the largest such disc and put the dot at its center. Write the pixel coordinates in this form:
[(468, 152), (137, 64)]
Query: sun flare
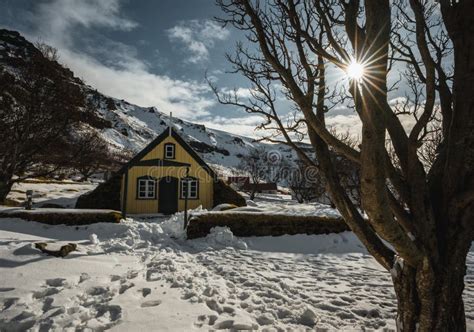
[(355, 70)]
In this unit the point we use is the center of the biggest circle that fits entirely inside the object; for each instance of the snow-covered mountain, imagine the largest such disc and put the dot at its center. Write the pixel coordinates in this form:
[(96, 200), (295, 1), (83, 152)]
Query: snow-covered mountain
[(133, 127), (129, 126)]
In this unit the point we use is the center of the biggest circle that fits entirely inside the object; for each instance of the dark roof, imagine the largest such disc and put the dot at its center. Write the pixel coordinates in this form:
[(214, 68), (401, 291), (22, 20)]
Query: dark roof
[(136, 161), (260, 186), (238, 179), (160, 162)]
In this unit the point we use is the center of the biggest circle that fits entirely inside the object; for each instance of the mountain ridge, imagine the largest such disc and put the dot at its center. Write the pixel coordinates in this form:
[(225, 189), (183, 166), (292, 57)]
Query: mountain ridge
[(128, 126)]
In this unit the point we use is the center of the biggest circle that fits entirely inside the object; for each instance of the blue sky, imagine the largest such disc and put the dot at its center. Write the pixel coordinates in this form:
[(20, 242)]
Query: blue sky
[(150, 53)]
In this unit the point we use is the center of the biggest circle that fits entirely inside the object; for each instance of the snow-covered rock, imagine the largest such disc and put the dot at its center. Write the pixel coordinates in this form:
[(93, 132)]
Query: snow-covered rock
[(223, 237), (94, 239)]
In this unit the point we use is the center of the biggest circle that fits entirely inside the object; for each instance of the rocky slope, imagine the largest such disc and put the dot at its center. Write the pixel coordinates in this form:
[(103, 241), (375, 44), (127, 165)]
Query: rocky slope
[(129, 126)]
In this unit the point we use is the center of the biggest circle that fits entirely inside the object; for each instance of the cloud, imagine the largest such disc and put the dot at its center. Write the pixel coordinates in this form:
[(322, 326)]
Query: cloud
[(353, 125), (241, 93), (198, 36), (112, 67), (346, 124), (56, 19), (244, 126), (186, 99)]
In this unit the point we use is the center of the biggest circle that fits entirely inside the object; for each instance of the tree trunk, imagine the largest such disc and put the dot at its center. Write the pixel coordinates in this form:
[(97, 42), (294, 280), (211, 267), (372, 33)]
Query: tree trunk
[(6, 185), (429, 299), (252, 195)]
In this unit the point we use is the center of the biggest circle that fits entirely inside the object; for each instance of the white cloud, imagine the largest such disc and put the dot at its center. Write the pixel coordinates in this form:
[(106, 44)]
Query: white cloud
[(55, 19), (346, 124), (185, 99), (244, 126), (198, 37), (353, 125), (241, 93), (119, 73)]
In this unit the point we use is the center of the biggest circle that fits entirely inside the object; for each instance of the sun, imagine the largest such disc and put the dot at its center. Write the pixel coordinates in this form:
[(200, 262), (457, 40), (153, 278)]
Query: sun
[(355, 70)]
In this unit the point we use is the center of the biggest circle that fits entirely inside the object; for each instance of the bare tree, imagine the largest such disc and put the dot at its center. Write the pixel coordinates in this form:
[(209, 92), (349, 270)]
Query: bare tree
[(48, 51), (255, 165), (425, 216), (306, 182), (89, 153), (38, 105)]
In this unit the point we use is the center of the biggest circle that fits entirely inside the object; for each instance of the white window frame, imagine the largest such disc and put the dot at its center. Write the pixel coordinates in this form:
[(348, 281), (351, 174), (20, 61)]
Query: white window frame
[(149, 191), (170, 154), (194, 188)]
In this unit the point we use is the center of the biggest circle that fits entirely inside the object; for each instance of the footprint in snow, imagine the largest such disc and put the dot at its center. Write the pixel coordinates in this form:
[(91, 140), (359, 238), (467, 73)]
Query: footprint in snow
[(113, 311), (21, 322), (206, 319), (45, 292), (8, 302), (56, 282), (114, 278), (151, 303), (125, 287), (6, 289), (146, 292), (83, 277), (94, 291), (47, 304)]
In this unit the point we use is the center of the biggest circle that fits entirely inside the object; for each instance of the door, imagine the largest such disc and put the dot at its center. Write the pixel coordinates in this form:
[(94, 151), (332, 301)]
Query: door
[(168, 195)]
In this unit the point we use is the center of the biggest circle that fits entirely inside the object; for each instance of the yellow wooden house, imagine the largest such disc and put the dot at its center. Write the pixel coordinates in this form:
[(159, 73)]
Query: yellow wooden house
[(165, 177)]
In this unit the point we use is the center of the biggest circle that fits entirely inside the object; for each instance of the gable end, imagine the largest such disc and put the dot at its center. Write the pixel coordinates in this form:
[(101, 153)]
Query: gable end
[(137, 160)]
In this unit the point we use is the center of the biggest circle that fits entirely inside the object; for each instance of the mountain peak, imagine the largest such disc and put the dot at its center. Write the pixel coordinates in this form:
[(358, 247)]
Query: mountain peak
[(128, 126)]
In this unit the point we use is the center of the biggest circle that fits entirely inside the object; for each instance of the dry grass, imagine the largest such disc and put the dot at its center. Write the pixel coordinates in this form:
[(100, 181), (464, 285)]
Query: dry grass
[(63, 218), (257, 224)]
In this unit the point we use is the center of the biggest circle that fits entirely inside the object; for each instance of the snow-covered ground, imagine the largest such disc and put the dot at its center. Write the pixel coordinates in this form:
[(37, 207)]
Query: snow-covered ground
[(144, 276), (283, 204), (63, 193)]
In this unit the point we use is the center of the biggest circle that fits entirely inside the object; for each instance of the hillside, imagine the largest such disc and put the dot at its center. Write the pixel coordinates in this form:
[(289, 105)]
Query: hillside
[(129, 126)]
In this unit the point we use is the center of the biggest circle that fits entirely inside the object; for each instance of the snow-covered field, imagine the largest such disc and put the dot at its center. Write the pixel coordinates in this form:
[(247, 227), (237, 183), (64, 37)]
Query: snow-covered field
[(143, 276), (63, 193), (283, 204)]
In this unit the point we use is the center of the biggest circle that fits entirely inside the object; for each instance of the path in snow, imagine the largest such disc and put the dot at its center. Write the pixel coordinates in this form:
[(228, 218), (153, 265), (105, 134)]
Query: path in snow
[(282, 290), (135, 277)]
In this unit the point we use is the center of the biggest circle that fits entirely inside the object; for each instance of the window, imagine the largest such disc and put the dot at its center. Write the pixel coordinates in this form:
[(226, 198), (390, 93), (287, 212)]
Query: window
[(193, 192), (146, 188), (169, 151)]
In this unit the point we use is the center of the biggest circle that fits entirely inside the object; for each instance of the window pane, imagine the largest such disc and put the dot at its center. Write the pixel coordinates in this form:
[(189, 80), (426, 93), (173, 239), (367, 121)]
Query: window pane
[(151, 188), (169, 151), (193, 191), (142, 188), (146, 188), (184, 187)]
